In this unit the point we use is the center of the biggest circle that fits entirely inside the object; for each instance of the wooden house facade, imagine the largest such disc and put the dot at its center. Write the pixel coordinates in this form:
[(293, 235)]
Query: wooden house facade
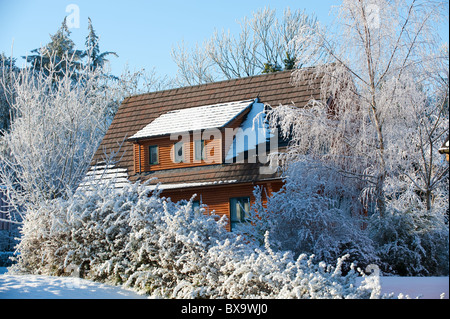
[(187, 139)]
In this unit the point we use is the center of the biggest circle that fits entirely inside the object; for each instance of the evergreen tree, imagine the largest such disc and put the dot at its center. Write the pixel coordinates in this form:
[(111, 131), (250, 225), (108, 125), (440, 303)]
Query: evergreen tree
[(61, 49), (95, 58), (55, 52), (289, 64), (271, 68), (7, 69)]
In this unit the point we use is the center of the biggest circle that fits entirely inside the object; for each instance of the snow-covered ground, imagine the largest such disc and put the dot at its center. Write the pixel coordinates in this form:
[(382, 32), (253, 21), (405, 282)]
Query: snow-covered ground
[(45, 287), (416, 287)]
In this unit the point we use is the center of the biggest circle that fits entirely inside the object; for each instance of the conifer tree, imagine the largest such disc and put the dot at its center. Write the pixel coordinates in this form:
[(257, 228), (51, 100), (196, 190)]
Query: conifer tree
[(95, 58), (57, 52)]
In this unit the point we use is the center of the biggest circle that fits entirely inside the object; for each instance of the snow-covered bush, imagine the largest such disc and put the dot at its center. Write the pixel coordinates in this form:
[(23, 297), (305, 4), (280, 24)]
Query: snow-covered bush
[(265, 273), (411, 243), (314, 213), (165, 249)]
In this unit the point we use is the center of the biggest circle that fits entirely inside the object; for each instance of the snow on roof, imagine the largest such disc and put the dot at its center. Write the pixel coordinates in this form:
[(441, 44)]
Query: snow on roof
[(102, 174), (189, 185), (195, 118)]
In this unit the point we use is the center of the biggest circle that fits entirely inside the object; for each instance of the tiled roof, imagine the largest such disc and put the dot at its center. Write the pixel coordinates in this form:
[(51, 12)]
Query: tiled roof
[(194, 118), (137, 112), (208, 175)]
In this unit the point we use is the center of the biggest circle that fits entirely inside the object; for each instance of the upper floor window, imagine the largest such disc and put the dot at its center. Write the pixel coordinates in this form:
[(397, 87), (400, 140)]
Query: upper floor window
[(199, 150), (179, 152), (153, 154)]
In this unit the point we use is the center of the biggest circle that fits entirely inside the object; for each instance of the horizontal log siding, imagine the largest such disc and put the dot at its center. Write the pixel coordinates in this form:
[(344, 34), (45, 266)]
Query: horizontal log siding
[(218, 197)]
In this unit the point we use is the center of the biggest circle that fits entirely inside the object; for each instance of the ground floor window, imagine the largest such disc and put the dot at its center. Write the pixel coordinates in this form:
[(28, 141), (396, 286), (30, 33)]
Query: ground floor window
[(196, 205), (239, 209)]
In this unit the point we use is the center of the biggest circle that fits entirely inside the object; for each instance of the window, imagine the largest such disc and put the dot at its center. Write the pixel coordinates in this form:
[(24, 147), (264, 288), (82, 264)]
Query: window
[(179, 152), (196, 206), (239, 208), (153, 154), (199, 150)]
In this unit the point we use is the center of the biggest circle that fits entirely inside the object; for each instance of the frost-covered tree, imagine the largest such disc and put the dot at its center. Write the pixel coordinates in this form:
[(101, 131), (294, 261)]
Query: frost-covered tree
[(61, 46), (383, 110), (264, 44), (54, 54), (383, 56), (58, 125), (95, 58)]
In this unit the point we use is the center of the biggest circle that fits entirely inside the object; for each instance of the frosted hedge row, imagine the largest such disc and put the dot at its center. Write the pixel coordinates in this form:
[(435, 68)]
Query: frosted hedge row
[(138, 239)]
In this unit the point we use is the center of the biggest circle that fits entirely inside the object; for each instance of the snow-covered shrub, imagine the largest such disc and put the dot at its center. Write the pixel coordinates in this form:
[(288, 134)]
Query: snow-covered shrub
[(314, 213), (411, 242), (168, 248), (265, 273), (165, 249)]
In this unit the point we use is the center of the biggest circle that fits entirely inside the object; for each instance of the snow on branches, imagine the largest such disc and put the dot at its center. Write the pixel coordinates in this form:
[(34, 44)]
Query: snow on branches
[(60, 118)]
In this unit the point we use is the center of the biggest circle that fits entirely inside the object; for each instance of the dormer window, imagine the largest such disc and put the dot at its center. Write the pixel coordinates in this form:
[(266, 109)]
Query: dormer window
[(199, 150), (153, 155), (178, 152)]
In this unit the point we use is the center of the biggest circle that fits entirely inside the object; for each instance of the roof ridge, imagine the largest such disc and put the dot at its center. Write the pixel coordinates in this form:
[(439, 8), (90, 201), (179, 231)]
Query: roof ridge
[(276, 74)]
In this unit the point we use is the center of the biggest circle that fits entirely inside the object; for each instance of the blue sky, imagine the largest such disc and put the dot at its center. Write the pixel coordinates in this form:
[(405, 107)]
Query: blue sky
[(141, 32)]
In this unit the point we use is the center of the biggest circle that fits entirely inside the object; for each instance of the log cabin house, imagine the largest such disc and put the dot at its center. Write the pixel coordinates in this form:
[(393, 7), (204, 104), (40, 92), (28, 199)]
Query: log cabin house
[(191, 140)]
